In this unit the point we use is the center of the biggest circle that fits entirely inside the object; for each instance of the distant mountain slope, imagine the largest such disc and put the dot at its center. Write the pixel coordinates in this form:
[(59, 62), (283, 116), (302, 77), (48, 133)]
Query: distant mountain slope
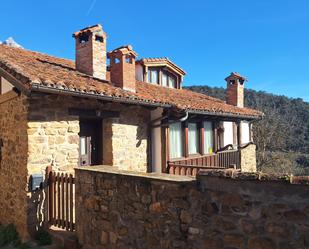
[(284, 129), (11, 43)]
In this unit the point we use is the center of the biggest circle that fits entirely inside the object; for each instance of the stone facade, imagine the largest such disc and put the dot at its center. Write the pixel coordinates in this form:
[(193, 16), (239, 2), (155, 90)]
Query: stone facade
[(221, 209), (38, 131), (248, 158), (13, 161), (54, 134)]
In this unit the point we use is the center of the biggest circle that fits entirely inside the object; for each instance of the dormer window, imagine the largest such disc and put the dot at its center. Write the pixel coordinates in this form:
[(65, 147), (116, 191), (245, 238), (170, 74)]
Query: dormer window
[(168, 80), (159, 71), (153, 76)]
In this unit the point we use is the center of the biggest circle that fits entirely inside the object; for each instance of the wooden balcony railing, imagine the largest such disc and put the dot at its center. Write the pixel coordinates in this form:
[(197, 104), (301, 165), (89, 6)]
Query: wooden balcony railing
[(191, 166)]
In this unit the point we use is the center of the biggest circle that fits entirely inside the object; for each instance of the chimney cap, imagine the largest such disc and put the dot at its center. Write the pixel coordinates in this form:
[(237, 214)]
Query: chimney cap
[(124, 50), (90, 29), (235, 75)]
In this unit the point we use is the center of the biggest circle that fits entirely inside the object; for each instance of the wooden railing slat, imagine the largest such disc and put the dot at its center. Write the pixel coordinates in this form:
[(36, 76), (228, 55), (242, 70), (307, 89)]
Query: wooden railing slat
[(71, 180), (66, 202), (220, 160)]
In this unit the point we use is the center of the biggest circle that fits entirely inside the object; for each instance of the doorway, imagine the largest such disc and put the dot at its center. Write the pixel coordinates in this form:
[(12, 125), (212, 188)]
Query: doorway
[(90, 142)]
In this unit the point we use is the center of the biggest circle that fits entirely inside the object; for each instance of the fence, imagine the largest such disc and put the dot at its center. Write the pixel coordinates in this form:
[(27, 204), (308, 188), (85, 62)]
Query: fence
[(61, 199)]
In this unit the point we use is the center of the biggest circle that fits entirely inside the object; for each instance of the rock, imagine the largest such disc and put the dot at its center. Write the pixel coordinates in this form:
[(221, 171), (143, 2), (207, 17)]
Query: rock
[(104, 238), (193, 230), (212, 243), (155, 207), (261, 243), (233, 240), (112, 237), (185, 217)]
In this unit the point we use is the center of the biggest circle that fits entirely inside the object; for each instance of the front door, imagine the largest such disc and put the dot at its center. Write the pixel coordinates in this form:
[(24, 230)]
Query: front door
[(90, 142)]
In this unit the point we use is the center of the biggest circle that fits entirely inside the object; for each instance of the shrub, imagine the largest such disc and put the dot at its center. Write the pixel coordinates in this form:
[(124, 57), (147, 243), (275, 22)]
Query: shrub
[(43, 238)]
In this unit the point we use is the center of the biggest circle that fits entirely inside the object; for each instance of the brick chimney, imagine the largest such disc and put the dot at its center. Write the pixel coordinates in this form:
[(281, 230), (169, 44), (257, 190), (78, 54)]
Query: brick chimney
[(235, 89), (122, 67), (90, 51)]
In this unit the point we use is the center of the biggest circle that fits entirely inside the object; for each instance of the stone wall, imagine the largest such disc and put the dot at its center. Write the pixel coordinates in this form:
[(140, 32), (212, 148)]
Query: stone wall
[(13, 163), (248, 158), (221, 209), (54, 134)]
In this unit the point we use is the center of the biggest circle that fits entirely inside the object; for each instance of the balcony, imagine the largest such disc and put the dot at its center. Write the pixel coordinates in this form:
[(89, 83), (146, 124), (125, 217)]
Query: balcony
[(191, 166)]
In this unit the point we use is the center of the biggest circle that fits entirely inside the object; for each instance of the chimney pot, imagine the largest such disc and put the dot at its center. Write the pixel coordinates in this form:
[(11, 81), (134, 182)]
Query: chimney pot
[(90, 51), (235, 89), (122, 67)]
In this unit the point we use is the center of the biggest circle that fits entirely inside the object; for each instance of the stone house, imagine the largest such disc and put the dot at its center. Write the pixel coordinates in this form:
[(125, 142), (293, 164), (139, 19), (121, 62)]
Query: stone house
[(129, 113)]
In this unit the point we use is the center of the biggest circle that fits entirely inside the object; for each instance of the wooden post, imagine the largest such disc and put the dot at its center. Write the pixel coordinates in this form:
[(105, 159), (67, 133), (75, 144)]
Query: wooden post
[(202, 139), (71, 202), (58, 200), (238, 133), (186, 135), (215, 136), (62, 202), (49, 182), (66, 201)]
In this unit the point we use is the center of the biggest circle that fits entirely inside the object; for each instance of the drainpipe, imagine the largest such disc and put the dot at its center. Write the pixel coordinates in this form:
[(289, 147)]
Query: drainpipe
[(182, 119)]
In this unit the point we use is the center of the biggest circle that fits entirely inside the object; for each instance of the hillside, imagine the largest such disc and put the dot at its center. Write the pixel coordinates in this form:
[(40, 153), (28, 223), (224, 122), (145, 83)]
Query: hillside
[(282, 137)]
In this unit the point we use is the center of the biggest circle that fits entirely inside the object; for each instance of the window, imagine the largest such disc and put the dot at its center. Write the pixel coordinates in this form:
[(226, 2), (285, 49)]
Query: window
[(193, 138), (164, 79), (83, 146), (175, 140), (153, 76), (208, 137), (171, 82)]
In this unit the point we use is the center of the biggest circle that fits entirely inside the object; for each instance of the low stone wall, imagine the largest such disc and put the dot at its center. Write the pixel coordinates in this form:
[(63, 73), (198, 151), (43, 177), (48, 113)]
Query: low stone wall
[(220, 209)]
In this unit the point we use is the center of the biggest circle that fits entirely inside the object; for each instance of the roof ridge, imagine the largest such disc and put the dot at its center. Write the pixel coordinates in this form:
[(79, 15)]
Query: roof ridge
[(53, 74)]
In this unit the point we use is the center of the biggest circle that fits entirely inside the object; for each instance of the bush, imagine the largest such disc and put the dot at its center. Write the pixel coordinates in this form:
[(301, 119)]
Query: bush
[(9, 236), (43, 238)]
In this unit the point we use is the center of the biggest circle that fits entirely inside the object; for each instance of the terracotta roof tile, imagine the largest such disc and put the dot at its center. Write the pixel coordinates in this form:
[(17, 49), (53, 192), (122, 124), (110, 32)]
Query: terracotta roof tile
[(33, 68)]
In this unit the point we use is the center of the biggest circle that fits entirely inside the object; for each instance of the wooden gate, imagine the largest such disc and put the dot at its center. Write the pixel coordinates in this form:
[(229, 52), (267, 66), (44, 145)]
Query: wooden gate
[(61, 199)]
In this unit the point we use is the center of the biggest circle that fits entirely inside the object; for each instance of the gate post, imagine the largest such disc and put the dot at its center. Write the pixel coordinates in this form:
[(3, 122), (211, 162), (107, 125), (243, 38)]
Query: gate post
[(49, 186)]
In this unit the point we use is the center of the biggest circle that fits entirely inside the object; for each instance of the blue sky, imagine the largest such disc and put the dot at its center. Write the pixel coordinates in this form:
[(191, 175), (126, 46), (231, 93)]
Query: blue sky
[(265, 40)]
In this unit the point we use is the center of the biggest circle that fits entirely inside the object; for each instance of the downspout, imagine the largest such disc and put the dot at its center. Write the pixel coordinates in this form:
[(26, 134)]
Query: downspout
[(182, 119)]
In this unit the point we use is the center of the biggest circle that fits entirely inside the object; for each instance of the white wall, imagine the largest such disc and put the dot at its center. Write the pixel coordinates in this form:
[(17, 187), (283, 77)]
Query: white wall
[(139, 72), (245, 132), (156, 143), (5, 86), (228, 133)]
